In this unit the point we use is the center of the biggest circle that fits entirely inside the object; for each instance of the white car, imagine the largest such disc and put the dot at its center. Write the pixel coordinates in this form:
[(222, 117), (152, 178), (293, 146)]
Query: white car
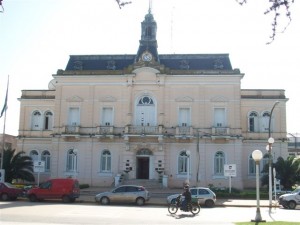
[(290, 200), (204, 195)]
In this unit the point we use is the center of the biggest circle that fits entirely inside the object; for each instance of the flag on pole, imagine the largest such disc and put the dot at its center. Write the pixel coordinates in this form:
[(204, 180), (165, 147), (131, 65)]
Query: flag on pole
[(5, 101)]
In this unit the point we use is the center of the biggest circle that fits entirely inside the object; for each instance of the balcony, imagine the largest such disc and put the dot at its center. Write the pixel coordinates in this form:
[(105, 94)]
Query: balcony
[(184, 132), (106, 131), (220, 131), (143, 130), (71, 131)]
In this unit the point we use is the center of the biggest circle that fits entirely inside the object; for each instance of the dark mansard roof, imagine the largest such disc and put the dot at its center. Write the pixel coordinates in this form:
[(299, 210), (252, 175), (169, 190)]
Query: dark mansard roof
[(171, 61), (148, 45)]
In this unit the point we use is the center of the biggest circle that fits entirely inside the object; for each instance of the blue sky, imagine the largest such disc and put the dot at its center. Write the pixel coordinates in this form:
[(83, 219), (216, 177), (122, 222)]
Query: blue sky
[(37, 37)]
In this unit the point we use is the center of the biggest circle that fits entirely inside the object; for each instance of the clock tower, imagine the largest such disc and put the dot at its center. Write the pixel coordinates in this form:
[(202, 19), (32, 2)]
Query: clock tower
[(147, 51)]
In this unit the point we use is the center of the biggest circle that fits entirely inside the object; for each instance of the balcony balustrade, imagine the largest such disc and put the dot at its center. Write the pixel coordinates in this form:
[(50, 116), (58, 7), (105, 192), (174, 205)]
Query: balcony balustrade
[(220, 131), (143, 130), (70, 129)]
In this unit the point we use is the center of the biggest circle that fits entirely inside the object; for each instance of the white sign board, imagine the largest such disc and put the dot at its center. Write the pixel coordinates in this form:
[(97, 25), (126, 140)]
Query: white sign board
[(39, 166), (230, 170)]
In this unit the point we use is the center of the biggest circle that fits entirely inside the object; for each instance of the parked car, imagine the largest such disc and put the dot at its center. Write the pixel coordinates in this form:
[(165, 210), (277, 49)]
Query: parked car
[(9, 192), (290, 200), (124, 194), (203, 195), (66, 189)]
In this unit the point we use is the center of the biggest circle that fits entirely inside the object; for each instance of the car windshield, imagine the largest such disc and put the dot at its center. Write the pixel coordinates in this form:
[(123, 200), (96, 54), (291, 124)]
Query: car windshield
[(296, 191)]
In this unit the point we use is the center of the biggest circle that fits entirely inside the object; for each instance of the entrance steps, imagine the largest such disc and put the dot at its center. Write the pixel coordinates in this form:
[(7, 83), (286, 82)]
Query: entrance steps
[(148, 184)]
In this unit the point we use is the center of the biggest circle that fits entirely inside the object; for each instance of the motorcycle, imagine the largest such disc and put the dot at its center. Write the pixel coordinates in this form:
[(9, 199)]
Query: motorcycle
[(192, 207)]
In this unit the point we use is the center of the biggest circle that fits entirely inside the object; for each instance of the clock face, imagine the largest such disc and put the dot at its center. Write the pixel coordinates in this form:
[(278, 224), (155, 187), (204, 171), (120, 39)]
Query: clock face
[(147, 57), (52, 84)]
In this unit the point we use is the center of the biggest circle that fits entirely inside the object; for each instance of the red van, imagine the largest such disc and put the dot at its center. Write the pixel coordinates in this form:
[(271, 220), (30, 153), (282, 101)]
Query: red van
[(66, 189)]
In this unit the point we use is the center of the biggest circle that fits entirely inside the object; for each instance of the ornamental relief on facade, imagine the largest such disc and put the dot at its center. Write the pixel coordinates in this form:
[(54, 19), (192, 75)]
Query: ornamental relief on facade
[(74, 98), (108, 98), (219, 99), (184, 99)]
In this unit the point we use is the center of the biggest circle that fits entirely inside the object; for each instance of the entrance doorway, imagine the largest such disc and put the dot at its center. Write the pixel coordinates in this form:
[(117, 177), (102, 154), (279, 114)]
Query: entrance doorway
[(142, 171)]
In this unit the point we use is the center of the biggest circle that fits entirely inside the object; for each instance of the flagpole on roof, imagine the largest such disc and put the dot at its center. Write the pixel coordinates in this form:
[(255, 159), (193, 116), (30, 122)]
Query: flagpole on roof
[(4, 111)]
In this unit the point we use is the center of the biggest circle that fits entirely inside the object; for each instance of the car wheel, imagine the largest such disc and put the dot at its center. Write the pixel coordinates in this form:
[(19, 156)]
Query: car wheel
[(209, 203), (66, 199), (292, 205), (32, 198), (73, 199), (140, 201), (4, 197), (104, 201)]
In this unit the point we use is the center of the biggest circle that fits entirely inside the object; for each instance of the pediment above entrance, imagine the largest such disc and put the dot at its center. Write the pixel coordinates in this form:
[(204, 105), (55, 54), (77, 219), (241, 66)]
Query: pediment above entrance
[(144, 151)]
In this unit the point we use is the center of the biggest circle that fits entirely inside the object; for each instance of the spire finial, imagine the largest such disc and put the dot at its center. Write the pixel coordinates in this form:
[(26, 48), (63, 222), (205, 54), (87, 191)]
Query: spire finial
[(150, 6)]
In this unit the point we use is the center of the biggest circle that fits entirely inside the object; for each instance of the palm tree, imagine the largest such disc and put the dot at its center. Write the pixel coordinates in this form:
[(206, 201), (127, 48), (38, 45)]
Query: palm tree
[(288, 171), (17, 166)]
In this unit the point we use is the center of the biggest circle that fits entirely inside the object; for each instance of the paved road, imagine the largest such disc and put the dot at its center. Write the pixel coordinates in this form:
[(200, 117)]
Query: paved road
[(57, 213)]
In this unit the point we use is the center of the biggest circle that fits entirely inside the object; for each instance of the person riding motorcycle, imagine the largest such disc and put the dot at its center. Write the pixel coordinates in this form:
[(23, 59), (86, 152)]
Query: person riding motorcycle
[(187, 197)]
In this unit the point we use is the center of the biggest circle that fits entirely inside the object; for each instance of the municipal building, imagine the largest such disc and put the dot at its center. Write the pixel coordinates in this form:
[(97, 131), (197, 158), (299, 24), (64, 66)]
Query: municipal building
[(165, 119)]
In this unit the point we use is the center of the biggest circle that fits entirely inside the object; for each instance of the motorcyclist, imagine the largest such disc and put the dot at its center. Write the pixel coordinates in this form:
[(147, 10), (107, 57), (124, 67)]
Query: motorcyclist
[(187, 197)]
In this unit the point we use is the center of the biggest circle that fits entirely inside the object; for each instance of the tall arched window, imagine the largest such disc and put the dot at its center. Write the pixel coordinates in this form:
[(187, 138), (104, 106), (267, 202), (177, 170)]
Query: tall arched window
[(36, 120), (46, 158), (105, 161), (145, 113), (219, 162), (265, 161), (253, 122), (265, 122), (182, 162), (72, 160), (48, 120), (34, 155), (252, 168)]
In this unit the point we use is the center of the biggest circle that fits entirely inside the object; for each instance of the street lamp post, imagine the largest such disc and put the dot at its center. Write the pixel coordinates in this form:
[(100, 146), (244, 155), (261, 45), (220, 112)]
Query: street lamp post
[(75, 162), (188, 153), (257, 156), (270, 142)]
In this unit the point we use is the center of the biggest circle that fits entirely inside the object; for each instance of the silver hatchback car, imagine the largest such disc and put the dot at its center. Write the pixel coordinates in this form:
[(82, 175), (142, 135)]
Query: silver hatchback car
[(124, 194), (203, 195)]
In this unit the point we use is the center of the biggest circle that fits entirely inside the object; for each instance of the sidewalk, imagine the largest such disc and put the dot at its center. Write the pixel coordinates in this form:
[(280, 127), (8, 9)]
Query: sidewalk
[(159, 197)]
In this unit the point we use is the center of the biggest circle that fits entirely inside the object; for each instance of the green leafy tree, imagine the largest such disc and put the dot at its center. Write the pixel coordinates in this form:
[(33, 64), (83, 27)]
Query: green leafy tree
[(17, 166), (286, 171)]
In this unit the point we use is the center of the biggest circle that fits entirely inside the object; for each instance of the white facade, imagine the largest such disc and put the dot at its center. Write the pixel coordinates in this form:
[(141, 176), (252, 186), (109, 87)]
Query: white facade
[(140, 121)]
